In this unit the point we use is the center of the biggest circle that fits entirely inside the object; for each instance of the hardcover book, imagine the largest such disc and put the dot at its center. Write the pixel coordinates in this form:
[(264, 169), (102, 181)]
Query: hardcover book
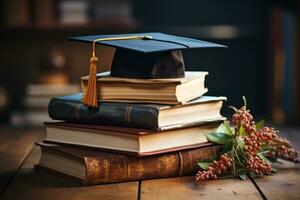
[(147, 116), (95, 167), (132, 141), (161, 91)]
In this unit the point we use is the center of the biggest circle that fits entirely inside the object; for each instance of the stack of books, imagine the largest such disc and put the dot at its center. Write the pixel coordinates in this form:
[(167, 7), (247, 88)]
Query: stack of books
[(143, 129)]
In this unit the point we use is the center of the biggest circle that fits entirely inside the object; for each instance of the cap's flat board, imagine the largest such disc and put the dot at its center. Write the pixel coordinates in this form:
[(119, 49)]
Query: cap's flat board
[(159, 42)]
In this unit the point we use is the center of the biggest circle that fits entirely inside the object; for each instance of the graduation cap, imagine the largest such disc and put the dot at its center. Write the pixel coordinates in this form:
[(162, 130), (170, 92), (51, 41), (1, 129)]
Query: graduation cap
[(140, 55)]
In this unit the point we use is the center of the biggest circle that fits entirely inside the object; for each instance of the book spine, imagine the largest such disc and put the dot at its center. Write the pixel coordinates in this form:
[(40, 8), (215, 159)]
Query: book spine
[(113, 114), (124, 168)]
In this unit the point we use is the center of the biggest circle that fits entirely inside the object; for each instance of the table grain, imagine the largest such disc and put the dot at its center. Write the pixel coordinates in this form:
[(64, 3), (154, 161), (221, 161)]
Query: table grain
[(19, 179)]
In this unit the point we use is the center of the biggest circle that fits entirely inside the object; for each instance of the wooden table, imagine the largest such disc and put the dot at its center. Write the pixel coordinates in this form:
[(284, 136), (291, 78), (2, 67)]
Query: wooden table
[(19, 180)]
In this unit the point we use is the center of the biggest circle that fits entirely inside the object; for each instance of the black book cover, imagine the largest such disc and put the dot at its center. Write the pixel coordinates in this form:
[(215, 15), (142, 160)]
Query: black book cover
[(70, 108)]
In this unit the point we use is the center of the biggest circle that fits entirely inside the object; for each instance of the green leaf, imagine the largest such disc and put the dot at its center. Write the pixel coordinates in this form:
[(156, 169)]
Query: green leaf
[(204, 165), (274, 170), (221, 129), (219, 138), (242, 155), (268, 148), (227, 128), (211, 159), (228, 147), (240, 143), (272, 159), (252, 175), (243, 176), (263, 157), (241, 170), (260, 124), (264, 151), (242, 131)]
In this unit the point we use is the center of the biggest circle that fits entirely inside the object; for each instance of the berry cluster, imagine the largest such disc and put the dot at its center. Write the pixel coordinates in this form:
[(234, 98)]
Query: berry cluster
[(254, 141), (258, 166), (245, 155), (269, 133), (242, 117), (283, 149), (217, 168)]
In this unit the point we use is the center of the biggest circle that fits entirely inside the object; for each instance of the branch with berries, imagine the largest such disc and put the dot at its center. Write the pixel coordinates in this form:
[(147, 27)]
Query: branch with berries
[(249, 148)]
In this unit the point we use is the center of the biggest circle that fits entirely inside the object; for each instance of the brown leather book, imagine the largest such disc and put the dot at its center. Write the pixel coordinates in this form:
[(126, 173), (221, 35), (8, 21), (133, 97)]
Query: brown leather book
[(90, 167)]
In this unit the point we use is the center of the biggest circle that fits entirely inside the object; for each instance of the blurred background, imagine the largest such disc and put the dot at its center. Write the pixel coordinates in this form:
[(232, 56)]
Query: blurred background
[(262, 61)]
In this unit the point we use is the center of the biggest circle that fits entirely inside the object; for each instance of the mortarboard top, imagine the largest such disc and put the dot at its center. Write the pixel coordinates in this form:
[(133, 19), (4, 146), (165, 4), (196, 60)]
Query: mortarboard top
[(147, 55)]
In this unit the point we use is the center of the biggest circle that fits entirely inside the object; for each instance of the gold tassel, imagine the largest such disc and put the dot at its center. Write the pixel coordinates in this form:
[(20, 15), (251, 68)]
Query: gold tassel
[(90, 96)]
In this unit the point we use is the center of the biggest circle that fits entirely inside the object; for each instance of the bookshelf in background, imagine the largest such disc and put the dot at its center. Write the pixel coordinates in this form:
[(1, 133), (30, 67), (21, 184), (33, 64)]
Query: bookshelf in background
[(284, 65), (298, 66), (242, 26), (4, 105), (36, 31), (52, 14)]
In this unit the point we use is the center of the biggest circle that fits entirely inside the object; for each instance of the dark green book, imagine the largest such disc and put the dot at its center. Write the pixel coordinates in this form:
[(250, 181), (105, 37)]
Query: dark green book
[(148, 116)]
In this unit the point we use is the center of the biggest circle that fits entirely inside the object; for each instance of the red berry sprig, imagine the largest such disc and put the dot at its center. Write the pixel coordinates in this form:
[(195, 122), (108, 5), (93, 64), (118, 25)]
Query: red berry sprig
[(242, 117), (254, 141), (249, 145), (283, 149), (217, 168), (258, 166)]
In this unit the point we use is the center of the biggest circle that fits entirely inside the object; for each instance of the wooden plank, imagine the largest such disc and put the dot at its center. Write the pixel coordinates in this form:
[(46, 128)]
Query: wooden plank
[(185, 188), (286, 183), (15, 144), (31, 184), (283, 185)]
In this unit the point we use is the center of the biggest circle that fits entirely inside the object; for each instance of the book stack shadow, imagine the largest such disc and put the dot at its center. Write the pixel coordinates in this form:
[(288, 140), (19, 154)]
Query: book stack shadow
[(143, 128)]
